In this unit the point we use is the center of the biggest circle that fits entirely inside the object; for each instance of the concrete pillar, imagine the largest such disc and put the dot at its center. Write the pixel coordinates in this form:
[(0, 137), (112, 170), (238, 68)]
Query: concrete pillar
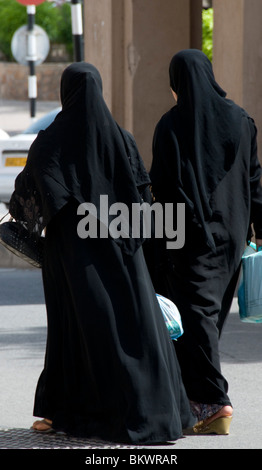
[(196, 24), (237, 54), (132, 42), (98, 40)]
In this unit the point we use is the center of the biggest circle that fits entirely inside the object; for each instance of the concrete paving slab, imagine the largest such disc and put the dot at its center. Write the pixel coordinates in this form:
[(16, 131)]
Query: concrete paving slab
[(22, 346)]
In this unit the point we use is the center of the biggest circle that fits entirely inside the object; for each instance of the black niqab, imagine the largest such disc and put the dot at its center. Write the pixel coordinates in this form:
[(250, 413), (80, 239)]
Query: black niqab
[(199, 137), (83, 154)]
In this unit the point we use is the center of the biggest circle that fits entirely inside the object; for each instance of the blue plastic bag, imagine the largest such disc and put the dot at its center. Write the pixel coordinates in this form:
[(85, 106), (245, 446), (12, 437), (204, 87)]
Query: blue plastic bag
[(171, 316), (250, 286)]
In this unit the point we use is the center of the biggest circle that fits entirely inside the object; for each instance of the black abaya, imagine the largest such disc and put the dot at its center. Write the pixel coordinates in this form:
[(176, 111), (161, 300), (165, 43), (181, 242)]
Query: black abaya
[(205, 156), (110, 368)]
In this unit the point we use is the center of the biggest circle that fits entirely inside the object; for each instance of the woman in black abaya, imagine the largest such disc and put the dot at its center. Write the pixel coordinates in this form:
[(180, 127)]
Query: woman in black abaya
[(110, 368), (205, 156)]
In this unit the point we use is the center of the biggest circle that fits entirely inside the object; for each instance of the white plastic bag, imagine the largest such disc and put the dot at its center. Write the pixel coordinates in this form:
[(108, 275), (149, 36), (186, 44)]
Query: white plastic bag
[(250, 286), (171, 316)]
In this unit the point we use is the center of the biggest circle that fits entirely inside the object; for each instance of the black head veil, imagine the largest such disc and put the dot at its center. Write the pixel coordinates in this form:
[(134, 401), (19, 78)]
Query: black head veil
[(82, 154), (206, 132)]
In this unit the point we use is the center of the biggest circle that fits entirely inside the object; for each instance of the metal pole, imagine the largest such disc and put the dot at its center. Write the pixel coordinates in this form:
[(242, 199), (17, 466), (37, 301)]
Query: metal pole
[(31, 58), (77, 29)]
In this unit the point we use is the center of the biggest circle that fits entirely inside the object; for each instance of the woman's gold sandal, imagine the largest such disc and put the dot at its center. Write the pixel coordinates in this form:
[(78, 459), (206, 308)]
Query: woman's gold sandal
[(211, 419), (217, 426)]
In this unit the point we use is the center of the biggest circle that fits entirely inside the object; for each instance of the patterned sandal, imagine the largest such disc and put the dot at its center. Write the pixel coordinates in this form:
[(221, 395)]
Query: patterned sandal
[(203, 412)]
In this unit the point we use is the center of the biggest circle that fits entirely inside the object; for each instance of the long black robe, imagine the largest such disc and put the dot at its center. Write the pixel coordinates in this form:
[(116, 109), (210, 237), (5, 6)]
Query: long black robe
[(110, 368), (205, 156)]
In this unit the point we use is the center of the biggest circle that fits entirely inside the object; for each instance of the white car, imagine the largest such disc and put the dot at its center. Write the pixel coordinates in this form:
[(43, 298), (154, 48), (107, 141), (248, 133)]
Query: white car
[(14, 150)]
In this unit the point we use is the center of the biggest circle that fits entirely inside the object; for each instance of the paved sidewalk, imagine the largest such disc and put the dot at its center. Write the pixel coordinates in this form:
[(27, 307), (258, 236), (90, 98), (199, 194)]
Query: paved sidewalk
[(22, 345)]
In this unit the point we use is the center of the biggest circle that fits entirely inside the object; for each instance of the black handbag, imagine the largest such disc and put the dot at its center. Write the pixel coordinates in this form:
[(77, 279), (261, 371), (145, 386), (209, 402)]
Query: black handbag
[(16, 238)]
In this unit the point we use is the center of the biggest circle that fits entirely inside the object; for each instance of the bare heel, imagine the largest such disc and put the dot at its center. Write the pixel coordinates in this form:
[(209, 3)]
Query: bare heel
[(44, 426)]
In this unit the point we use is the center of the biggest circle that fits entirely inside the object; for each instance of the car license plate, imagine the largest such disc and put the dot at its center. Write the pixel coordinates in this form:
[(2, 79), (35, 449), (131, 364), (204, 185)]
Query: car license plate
[(15, 161)]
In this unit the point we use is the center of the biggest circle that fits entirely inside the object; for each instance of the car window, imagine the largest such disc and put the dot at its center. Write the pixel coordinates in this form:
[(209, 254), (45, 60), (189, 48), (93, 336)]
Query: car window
[(42, 123)]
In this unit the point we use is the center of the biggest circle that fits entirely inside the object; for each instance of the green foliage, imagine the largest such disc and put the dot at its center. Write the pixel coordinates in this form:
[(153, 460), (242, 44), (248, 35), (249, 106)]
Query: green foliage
[(56, 21), (207, 32)]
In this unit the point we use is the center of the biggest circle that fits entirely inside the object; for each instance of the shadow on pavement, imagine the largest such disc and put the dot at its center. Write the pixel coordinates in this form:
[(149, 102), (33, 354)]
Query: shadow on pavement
[(29, 341), (21, 289)]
